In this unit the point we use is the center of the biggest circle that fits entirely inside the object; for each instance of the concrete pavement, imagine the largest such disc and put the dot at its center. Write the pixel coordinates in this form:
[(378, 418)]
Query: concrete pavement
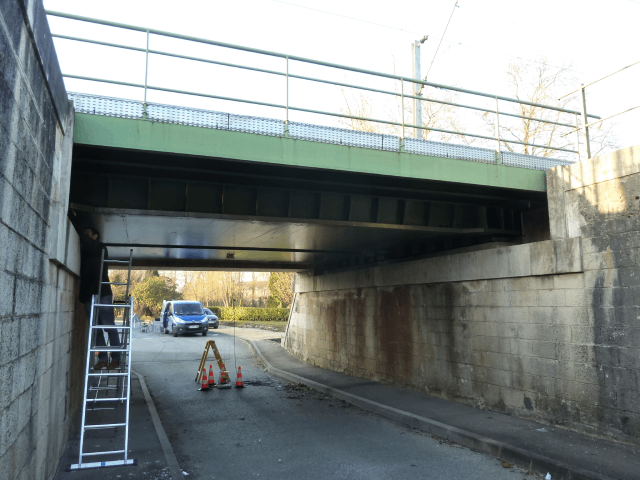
[(540, 448), (534, 446), (146, 445)]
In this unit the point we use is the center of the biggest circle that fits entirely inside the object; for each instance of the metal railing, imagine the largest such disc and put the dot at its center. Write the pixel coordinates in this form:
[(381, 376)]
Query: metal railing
[(146, 86), (583, 98)]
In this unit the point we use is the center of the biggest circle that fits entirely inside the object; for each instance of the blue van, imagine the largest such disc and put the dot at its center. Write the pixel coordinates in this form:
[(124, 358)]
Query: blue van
[(183, 316)]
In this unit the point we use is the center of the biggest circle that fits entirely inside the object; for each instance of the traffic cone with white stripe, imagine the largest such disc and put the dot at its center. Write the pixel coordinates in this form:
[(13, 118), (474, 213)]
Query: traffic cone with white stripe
[(212, 381), (205, 383), (239, 382), (225, 381)]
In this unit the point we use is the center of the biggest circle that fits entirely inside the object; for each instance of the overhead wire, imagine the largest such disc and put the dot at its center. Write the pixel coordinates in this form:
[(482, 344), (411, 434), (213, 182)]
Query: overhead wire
[(345, 16), (458, 44), (441, 39)]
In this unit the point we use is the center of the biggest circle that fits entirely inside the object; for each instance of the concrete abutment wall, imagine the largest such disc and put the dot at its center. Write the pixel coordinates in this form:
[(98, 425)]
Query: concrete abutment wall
[(42, 332), (546, 330)]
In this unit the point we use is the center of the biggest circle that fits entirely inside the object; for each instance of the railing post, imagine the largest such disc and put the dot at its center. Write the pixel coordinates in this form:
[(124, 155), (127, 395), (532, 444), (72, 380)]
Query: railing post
[(585, 129), (498, 153), (577, 136), (417, 104), (286, 121), (146, 76), (402, 109)]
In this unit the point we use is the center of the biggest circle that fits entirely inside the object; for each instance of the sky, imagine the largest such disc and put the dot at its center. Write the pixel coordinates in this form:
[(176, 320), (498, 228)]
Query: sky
[(592, 38)]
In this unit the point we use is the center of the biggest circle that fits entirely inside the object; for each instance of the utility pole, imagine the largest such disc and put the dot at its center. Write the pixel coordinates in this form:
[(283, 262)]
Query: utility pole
[(417, 89)]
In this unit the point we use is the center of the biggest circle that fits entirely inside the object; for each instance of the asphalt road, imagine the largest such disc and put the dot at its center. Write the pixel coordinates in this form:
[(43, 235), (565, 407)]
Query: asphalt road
[(275, 430)]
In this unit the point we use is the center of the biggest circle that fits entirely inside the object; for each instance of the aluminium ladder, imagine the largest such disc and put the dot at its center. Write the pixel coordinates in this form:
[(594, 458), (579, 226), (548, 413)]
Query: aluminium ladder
[(110, 389)]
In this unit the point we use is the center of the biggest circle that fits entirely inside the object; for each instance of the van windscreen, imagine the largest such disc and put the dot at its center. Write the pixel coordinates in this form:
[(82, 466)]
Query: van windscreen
[(188, 309)]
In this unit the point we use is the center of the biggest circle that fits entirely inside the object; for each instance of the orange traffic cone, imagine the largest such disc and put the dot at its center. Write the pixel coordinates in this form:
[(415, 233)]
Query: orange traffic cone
[(205, 383), (239, 382), (212, 381), (224, 378)]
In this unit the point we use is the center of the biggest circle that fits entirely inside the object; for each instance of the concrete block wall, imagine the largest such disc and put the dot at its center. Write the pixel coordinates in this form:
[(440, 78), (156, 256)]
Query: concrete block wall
[(547, 330), (41, 329)]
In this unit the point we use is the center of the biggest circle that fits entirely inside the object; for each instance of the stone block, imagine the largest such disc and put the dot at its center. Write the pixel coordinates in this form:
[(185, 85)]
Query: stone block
[(519, 263), (556, 201), (434, 270), (551, 298), (493, 299), (629, 277), (544, 349), (577, 298), (470, 268), (543, 258), (9, 340), (622, 296), (621, 378), (602, 278), (568, 255), (568, 281), (543, 315), (523, 298), (7, 284), (604, 168), (629, 400), (540, 282), (499, 285), (624, 241), (582, 335), (571, 315)]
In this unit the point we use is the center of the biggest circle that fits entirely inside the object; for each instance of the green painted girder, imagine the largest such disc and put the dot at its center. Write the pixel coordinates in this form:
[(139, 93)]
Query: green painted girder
[(138, 134)]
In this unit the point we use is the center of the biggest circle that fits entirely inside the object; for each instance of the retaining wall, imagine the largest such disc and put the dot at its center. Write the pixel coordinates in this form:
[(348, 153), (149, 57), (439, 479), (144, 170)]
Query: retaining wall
[(547, 330), (41, 329)]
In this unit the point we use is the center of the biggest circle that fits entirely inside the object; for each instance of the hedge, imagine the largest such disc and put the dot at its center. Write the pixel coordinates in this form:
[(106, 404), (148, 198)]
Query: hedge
[(251, 314)]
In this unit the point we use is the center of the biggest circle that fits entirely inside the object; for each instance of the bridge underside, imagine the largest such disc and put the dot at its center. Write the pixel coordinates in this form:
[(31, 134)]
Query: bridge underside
[(205, 212)]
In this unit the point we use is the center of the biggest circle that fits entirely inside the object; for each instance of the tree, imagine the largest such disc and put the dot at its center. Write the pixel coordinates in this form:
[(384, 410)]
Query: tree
[(211, 288), (360, 105), (442, 115), (439, 114), (151, 292), (280, 288), (539, 82)]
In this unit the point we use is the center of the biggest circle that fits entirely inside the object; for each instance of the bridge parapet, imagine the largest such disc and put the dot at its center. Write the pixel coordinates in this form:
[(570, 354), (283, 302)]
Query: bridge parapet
[(155, 112), (294, 72)]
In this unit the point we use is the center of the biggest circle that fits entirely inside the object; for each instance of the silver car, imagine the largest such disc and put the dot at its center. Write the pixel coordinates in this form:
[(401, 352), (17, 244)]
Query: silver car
[(212, 317)]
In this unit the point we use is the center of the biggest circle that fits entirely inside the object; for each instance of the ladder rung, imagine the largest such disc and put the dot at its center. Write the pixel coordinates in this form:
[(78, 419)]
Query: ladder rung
[(99, 400), (113, 452), (109, 349), (107, 374), (111, 327), (116, 261), (118, 305), (106, 425), (114, 283), (113, 463)]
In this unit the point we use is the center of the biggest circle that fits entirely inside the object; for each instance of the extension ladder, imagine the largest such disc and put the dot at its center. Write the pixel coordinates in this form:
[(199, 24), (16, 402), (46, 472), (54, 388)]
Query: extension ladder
[(110, 389)]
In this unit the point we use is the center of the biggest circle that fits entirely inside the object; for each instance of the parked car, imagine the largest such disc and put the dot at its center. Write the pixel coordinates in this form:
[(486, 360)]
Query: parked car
[(183, 316), (212, 317)]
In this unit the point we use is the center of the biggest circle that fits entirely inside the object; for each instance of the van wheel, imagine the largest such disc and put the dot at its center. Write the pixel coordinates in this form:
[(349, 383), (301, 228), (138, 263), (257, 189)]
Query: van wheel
[(204, 334), (175, 332)]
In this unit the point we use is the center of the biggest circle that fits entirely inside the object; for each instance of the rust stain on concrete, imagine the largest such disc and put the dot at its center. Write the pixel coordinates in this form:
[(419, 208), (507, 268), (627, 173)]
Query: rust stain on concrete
[(394, 335)]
